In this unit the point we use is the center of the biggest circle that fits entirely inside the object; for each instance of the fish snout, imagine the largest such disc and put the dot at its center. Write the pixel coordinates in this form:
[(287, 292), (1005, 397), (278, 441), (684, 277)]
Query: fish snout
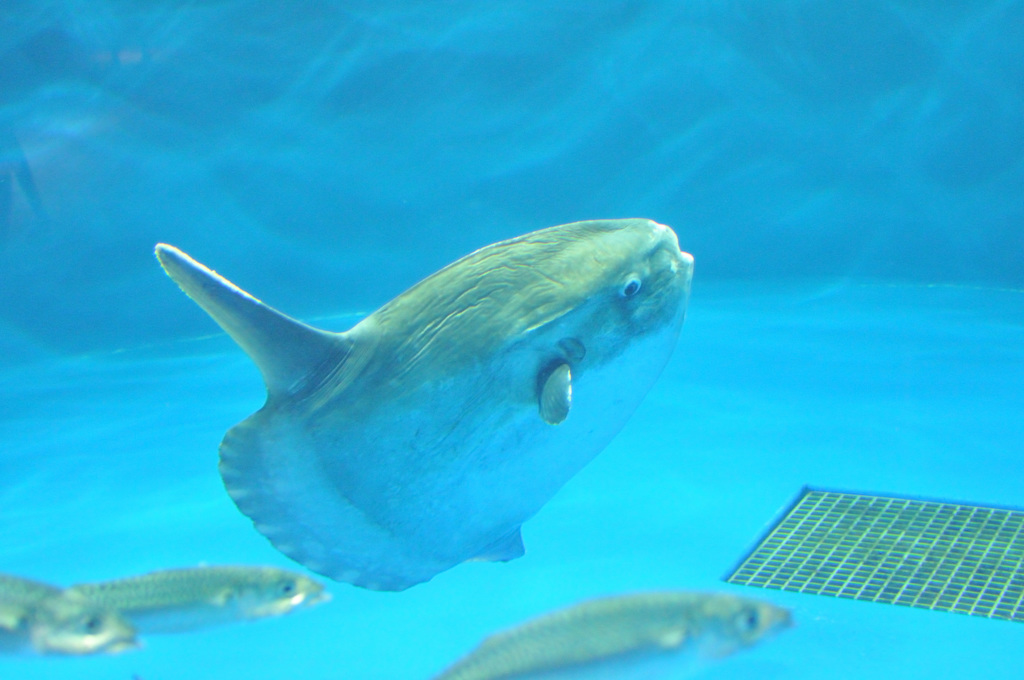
[(679, 262), (774, 620), (312, 598), (684, 265)]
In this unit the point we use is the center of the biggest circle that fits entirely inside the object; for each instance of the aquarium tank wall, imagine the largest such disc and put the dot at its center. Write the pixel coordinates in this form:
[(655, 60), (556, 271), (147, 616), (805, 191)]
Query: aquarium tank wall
[(847, 176)]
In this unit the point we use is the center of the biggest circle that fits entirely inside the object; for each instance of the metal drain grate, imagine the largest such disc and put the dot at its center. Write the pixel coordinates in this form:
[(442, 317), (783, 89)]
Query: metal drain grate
[(934, 555)]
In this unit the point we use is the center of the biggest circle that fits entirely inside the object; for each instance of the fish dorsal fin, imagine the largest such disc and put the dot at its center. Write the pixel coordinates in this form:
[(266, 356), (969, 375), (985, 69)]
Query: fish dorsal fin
[(286, 351)]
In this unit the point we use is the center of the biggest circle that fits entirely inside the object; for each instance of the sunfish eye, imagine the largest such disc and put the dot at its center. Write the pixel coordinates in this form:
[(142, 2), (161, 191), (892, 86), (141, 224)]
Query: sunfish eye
[(288, 587), (631, 287)]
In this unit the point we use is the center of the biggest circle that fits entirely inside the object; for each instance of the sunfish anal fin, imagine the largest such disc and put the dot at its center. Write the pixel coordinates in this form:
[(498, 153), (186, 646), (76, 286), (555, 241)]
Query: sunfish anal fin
[(285, 350), (555, 397)]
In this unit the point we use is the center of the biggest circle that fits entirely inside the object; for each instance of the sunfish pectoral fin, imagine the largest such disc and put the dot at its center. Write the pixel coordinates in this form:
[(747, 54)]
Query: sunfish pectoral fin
[(508, 548), (555, 397), (286, 351)]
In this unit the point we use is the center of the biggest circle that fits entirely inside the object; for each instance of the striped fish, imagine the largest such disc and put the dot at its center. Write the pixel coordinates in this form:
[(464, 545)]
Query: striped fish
[(647, 635), (40, 618), (182, 600)]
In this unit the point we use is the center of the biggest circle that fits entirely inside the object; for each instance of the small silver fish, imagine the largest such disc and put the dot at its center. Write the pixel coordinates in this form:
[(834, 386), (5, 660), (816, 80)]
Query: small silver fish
[(40, 618), (646, 635), (182, 600)]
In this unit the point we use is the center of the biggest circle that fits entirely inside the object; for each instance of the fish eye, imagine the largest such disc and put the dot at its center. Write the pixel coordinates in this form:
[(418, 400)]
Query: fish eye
[(93, 624), (748, 620), (631, 287), (288, 587)]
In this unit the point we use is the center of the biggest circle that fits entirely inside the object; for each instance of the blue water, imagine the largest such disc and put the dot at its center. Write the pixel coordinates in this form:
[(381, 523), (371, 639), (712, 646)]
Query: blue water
[(848, 176)]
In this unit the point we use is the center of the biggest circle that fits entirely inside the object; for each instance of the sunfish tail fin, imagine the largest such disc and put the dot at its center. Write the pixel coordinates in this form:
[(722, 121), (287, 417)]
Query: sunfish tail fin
[(286, 351)]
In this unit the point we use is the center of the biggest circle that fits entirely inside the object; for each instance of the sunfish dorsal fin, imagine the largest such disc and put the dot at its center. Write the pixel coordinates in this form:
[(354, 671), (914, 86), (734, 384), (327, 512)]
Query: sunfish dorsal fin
[(285, 350)]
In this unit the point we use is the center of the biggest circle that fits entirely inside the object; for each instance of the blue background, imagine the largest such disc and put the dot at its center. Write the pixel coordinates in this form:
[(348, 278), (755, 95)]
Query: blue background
[(848, 175)]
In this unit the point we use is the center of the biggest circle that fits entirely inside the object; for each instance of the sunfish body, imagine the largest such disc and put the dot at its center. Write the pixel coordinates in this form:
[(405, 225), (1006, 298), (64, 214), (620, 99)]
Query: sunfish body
[(428, 433), (646, 635), (40, 618), (184, 600)]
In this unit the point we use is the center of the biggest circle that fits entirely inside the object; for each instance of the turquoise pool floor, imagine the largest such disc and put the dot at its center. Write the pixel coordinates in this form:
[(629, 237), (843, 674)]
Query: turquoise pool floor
[(108, 468)]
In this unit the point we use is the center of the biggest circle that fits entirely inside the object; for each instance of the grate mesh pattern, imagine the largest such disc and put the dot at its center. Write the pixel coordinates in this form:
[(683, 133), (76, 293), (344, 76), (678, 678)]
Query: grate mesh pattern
[(947, 556)]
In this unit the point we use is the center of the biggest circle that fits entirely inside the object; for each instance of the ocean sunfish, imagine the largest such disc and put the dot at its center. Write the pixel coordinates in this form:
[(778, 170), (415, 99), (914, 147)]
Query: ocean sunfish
[(645, 635), (184, 600), (426, 435), (40, 618)]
